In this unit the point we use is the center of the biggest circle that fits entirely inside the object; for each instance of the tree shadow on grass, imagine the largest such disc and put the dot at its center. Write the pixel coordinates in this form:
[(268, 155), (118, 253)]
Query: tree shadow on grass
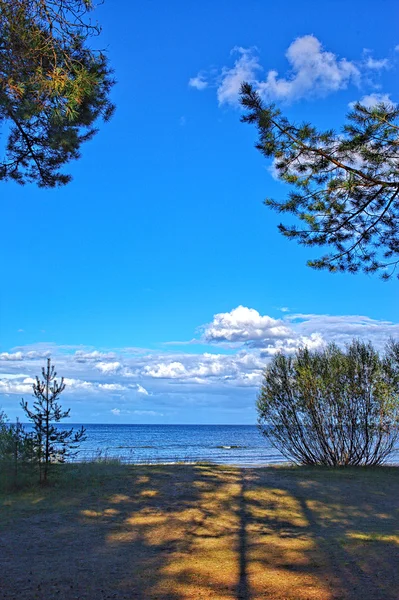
[(180, 532), (319, 533)]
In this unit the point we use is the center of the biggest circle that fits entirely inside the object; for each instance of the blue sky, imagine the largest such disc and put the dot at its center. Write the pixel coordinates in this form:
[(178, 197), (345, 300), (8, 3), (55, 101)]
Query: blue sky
[(162, 233)]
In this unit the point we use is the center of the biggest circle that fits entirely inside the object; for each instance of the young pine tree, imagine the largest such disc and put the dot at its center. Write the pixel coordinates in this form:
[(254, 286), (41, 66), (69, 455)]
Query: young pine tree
[(51, 443)]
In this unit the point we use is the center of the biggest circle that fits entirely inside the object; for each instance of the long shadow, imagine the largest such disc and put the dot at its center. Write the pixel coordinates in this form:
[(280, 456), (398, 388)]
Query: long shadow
[(188, 532), (137, 536), (345, 526), (243, 590)]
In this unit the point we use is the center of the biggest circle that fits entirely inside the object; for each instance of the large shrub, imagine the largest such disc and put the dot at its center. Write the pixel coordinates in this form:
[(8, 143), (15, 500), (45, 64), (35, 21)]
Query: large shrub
[(332, 406), (18, 453)]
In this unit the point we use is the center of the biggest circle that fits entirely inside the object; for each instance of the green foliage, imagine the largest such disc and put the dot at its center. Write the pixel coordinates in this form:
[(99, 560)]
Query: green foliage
[(53, 87), (52, 444), (345, 185), (17, 451), (332, 407)]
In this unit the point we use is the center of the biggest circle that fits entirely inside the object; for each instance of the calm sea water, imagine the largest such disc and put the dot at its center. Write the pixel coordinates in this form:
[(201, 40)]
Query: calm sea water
[(223, 444)]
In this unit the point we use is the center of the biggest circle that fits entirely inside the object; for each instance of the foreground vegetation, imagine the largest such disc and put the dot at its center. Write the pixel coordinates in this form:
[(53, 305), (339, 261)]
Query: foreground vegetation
[(182, 532), (331, 406)]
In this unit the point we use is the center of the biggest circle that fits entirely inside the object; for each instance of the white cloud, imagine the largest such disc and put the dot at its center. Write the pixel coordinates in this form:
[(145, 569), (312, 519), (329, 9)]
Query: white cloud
[(108, 367), (289, 346), (16, 386), (77, 384), (150, 413), (341, 329), (245, 340), (81, 356), (173, 370), (244, 69), (210, 369), (199, 82), (11, 356), (244, 324), (19, 356), (313, 72), (142, 390), (371, 100), (112, 387), (382, 63), (376, 64)]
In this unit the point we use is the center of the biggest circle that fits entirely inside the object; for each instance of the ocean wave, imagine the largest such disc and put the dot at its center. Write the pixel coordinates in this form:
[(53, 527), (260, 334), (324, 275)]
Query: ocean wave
[(233, 447), (117, 447)]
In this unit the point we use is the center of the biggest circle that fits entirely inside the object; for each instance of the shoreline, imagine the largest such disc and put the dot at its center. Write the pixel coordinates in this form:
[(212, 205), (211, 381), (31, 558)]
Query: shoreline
[(208, 463)]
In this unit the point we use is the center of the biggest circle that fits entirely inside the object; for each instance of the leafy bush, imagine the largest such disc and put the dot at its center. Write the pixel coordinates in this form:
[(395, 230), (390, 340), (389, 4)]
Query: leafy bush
[(332, 407), (17, 452)]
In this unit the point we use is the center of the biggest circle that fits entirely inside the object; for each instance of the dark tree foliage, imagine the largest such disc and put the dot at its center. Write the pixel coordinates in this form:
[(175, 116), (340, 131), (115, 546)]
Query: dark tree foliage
[(53, 87), (17, 447), (332, 407), (52, 443), (345, 185)]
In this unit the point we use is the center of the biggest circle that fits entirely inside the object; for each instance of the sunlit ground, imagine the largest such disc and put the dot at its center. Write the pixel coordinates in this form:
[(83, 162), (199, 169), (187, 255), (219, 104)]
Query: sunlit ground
[(176, 532)]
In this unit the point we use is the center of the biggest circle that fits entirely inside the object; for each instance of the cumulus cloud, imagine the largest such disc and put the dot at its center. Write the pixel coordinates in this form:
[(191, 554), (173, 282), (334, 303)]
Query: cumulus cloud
[(209, 369), (20, 356), (82, 356), (289, 346), (376, 64), (382, 63), (374, 99), (240, 344), (341, 329), (313, 71), (199, 82), (78, 384), (108, 367), (142, 390), (112, 387), (244, 69), (244, 324), (172, 370), (22, 385)]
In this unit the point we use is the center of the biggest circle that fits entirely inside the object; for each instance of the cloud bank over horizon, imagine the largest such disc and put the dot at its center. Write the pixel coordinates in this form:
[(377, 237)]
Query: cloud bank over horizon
[(225, 372)]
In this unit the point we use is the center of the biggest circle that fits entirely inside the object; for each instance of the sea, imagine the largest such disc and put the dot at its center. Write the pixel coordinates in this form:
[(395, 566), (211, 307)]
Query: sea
[(241, 445), (136, 444)]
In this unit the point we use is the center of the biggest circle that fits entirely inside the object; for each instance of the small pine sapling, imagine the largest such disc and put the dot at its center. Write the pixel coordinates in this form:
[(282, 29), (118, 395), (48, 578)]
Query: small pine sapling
[(52, 444)]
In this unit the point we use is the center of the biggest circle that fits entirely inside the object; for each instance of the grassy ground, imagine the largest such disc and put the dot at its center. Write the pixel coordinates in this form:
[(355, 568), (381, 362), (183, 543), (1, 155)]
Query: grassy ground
[(177, 532)]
